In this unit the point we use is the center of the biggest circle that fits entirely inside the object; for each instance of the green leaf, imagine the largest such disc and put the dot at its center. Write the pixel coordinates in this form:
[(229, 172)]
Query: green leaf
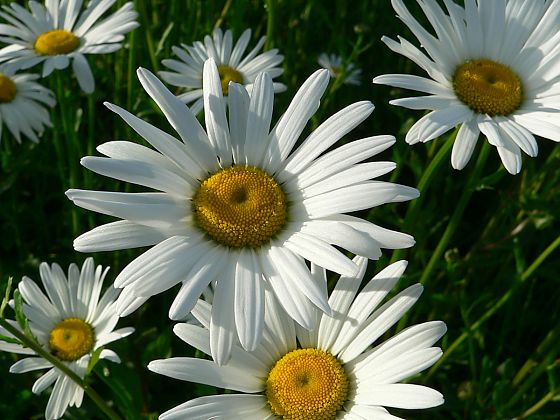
[(6, 297), (11, 340), (93, 360)]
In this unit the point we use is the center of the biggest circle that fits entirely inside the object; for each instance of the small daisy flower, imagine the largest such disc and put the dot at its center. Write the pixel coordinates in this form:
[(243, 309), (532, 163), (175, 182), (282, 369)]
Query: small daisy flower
[(71, 322), (58, 33), (22, 104), (232, 65), (493, 70), (333, 63), (237, 207), (327, 373)]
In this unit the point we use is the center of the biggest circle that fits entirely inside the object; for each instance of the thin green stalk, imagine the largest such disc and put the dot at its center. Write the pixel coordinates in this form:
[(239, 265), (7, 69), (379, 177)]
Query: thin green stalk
[(551, 338), (223, 14), (33, 345), (540, 404), (146, 25), (72, 145), (455, 220), (490, 312), (270, 12), (431, 171)]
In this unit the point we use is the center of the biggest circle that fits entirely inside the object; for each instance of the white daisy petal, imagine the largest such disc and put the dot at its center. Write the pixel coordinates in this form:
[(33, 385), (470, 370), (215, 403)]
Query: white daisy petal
[(340, 300), (202, 273), (399, 396), (45, 381), (288, 129), (464, 144), (118, 235), (83, 73), (326, 135), (321, 253), (215, 115), (251, 407), (258, 119), (381, 320), (206, 372), (223, 319), (29, 364), (249, 300)]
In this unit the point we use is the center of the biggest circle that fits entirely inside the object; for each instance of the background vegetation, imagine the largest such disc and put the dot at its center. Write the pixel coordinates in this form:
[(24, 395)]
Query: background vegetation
[(486, 247)]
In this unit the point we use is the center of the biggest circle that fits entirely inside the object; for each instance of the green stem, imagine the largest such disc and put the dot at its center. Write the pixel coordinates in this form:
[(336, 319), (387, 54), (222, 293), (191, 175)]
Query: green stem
[(223, 14), (147, 24), (40, 351), (455, 220), (72, 144), (490, 312), (540, 404), (269, 24), (426, 179)]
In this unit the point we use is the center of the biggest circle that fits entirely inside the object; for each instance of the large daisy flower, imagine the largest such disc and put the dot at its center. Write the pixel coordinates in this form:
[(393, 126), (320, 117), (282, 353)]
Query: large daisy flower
[(493, 70), (333, 63), (22, 104), (232, 65), (71, 322), (237, 207), (58, 33), (327, 373)]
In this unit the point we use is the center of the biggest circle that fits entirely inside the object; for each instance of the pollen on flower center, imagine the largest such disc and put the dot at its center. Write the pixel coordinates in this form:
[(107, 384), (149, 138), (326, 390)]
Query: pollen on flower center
[(71, 338), (488, 87), (8, 89), (308, 384), (228, 74), (57, 41), (240, 206)]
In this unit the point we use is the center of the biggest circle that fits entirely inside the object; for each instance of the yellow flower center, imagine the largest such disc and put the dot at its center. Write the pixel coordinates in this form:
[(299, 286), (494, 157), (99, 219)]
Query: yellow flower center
[(57, 41), (488, 87), (307, 384), (8, 89), (71, 338), (228, 74), (240, 206)]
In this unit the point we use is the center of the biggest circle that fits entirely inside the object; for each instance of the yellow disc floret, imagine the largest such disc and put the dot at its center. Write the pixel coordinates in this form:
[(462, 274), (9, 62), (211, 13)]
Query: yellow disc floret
[(488, 87), (8, 89), (307, 384), (57, 41), (240, 206), (71, 338), (228, 74)]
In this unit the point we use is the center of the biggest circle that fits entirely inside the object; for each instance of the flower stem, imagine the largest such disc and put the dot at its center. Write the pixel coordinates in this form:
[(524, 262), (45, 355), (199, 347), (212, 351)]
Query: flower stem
[(72, 144), (488, 314), (40, 351), (540, 404), (455, 220), (269, 24), (429, 174)]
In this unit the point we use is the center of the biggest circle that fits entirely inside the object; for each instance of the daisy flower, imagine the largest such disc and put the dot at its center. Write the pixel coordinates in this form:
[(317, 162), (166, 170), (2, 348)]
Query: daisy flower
[(492, 68), (333, 63), (22, 104), (327, 373), (58, 33), (237, 207), (71, 322), (232, 66)]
